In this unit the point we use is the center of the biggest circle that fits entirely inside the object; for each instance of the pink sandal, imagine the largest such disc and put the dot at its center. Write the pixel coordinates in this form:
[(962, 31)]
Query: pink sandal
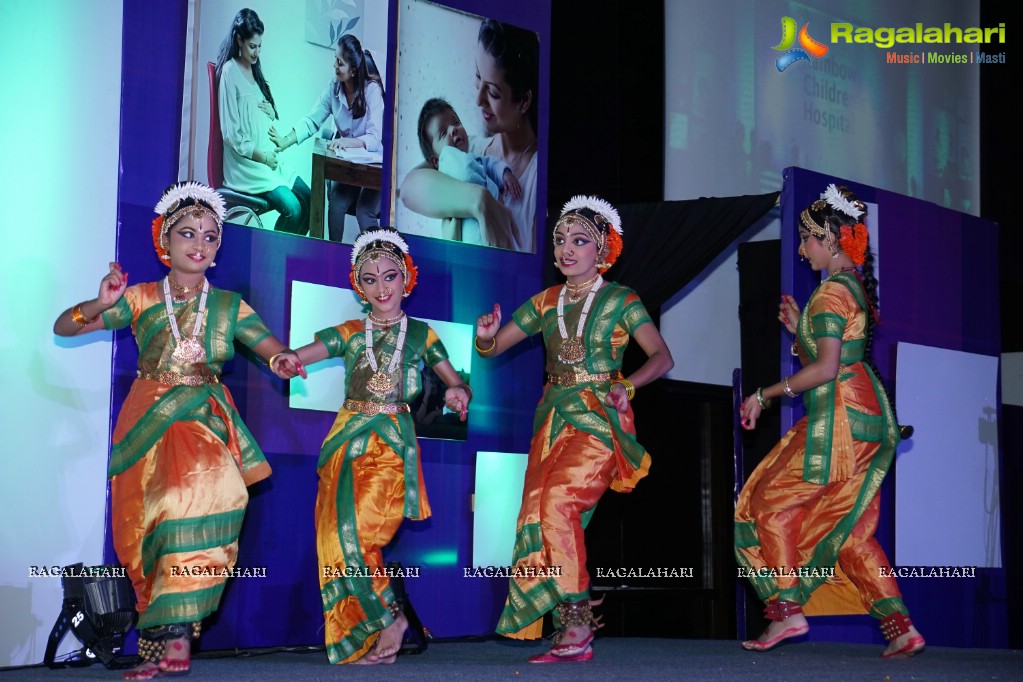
[(777, 611), (571, 614)]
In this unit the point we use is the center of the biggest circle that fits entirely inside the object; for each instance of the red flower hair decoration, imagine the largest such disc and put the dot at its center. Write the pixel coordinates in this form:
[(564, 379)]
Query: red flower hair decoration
[(854, 240)]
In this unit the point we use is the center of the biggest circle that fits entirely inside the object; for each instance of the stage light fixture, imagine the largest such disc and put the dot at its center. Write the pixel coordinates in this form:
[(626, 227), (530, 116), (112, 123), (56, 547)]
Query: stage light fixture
[(99, 608)]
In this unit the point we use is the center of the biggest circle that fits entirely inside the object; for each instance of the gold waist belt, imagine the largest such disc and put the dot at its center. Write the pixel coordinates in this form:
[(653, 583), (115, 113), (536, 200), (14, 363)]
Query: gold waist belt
[(573, 378), (367, 407), (175, 379)]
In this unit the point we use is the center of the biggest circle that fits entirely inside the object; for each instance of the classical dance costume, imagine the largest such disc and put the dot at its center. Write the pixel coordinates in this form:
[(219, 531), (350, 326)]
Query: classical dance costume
[(580, 447), (181, 456), (812, 504), (370, 476)]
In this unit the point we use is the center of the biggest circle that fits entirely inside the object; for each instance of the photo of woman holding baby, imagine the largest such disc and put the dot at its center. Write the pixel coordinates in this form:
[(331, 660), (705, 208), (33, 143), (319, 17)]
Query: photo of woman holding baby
[(488, 196)]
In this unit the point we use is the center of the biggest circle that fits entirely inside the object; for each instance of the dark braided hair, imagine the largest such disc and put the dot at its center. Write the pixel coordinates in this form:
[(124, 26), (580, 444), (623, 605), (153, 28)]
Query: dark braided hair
[(869, 282)]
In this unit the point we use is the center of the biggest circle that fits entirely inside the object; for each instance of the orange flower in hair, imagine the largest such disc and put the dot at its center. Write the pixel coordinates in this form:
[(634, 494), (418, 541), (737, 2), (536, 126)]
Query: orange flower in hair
[(157, 231), (355, 286), (614, 248), (412, 276), (854, 241)]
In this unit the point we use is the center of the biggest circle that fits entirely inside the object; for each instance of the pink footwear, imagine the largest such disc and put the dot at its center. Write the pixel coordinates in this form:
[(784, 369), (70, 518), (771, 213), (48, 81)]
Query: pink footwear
[(778, 611), (767, 644), (562, 650), (551, 657), (893, 627), (571, 615)]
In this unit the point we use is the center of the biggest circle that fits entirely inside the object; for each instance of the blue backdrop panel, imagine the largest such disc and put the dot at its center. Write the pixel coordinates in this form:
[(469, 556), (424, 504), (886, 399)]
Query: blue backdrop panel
[(457, 282), (938, 287)]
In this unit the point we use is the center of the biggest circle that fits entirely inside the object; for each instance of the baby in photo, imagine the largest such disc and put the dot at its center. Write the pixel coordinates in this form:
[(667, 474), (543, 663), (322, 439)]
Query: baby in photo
[(445, 145)]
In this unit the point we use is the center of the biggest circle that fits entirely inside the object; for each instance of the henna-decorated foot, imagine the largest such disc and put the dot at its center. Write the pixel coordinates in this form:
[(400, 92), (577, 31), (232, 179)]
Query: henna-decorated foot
[(777, 632), (146, 670), (177, 657)]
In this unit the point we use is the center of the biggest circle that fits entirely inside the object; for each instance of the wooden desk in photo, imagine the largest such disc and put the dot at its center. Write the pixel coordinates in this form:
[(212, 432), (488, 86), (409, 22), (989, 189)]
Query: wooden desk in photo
[(327, 166)]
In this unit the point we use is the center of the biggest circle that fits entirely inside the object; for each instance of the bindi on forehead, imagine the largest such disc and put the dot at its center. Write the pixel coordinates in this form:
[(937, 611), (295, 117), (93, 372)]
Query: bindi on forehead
[(203, 224), (378, 267), (572, 229)]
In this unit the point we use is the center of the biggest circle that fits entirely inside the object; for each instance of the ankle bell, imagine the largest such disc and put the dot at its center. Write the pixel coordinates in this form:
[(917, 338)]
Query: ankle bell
[(779, 609), (895, 626)]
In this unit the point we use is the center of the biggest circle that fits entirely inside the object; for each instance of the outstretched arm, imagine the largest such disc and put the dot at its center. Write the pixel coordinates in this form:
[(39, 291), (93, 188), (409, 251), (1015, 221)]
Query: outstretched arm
[(85, 317), (289, 363)]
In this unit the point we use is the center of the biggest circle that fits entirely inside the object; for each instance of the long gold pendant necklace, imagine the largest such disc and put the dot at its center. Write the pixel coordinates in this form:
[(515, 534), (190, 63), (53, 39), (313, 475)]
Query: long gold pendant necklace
[(572, 350), (188, 350), (381, 383)]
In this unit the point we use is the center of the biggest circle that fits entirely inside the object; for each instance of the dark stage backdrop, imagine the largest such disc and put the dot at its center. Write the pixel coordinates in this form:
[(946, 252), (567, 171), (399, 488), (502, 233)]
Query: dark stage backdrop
[(457, 282)]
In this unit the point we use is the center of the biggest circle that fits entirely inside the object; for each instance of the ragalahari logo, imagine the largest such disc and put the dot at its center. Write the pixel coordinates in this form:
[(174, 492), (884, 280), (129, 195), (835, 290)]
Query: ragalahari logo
[(808, 47)]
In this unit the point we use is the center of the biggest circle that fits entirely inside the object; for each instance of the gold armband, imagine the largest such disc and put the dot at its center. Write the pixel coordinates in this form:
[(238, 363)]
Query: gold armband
[(79, 317)]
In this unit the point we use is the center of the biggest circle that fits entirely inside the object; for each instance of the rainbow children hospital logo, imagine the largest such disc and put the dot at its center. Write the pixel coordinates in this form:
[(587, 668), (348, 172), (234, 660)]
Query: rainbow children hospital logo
[(808, 47)]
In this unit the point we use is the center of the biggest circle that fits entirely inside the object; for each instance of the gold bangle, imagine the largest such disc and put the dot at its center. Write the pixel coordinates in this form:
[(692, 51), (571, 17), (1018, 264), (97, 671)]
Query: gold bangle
[(481, 351), (275, 356), (467, 390), (630, 390), (787, 389), (79, 317), (764, 402), (794, 348)]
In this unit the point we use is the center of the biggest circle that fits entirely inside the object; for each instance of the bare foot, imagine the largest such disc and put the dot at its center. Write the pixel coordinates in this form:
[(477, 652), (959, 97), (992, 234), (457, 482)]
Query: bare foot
[(777, 632), (905, 645), (146, 670), (365, 660), (389, 641), (177, 655)]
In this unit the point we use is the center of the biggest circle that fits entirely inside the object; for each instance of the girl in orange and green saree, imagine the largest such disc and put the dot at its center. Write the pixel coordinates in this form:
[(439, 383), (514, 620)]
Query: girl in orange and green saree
[(181, 456), (370, 478), (583, 435), (805, 520)]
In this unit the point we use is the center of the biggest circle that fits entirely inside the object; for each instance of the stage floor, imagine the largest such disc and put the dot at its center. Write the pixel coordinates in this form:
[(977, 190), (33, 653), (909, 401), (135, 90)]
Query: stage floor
[(616, 659)]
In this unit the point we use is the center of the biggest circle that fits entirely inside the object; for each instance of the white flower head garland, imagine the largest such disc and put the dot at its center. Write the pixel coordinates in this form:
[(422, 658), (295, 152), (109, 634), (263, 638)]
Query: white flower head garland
[(196, 191), (598, 206), (367, 238), (837, 201)]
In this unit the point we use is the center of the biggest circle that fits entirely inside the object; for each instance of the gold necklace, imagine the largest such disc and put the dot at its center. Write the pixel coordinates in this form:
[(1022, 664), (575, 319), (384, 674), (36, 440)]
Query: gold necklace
[(386, 323), (577, 291), (841, 270), (183, 291)]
